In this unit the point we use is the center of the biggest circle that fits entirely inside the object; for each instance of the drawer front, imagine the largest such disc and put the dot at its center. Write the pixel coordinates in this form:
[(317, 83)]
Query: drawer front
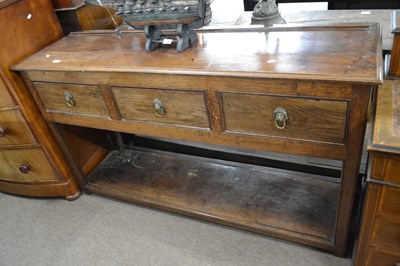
[(389, 203), (381, 257), (386, 233), (307, 119), (177, 107), (13, 129), (25, 165), (73, 99), (5, 97), (386, 167)]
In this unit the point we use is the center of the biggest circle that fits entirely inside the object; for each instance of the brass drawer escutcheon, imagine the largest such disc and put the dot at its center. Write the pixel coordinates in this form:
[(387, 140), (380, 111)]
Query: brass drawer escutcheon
[(69, 99), (158, 106), (280, 117)]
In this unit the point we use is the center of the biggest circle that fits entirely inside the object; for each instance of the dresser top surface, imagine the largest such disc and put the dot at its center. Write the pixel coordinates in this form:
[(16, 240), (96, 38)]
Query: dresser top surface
[(386, 123), (335, 53)]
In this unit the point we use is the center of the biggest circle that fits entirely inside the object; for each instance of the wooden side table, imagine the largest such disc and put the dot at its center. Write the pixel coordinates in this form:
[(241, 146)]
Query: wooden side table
[(379, 240), (217, 93)]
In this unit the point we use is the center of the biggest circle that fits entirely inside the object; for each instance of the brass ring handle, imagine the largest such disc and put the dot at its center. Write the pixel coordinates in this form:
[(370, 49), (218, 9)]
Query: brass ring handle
[(280, 117), (158, 107), (3, 131), (69, 99), (25, 168)]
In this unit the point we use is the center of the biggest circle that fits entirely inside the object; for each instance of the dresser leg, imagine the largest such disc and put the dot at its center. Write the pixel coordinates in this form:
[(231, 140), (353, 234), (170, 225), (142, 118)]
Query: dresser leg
[(74, 196)]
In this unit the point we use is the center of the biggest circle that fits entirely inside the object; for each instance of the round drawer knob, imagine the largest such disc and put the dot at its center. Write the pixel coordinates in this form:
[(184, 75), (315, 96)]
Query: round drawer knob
[(3, 131), (158, 107), (69, 99), (24, 168), (280, 117)]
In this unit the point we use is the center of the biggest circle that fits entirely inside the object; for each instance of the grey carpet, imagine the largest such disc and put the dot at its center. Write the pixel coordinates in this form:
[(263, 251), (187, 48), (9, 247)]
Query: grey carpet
[(98, 231)]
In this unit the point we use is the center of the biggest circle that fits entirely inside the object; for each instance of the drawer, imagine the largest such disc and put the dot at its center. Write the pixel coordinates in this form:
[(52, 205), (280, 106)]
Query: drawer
[(13, 128), (72, 99), (381, 257), (386, 167), (389, 203), (307, 119), (5, 97), (386, 233), (177, 107), (25, 165)]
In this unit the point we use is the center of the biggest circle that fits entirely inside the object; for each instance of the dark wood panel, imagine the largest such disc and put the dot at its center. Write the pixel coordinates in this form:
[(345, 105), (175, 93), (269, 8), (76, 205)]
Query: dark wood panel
[(232, 193), (368, 212), (87, 146), (67, 3), (382, 257), (386, 232), (389, 204)]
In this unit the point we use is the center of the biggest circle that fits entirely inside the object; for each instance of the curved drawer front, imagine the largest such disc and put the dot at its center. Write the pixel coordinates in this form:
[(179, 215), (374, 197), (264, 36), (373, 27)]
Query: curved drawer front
[(72, 99), (25, 165), (177, 107), (286, 117), (5, 97), (13, 129)]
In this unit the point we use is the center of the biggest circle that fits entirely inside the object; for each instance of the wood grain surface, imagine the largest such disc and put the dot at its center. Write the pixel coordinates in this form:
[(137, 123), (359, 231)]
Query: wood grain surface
[(310, 119), (396, 113), (27, 26), (183, 108), (379, 239), (88, 99), (323, 53), (12, 160), (385, 135), (17, 131)]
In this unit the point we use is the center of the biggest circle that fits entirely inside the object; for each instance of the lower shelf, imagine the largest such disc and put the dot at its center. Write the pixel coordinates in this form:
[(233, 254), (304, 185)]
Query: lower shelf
[(285, 204)]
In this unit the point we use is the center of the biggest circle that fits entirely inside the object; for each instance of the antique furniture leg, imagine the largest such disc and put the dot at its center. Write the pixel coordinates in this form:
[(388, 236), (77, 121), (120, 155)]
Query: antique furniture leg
[(74, 196)]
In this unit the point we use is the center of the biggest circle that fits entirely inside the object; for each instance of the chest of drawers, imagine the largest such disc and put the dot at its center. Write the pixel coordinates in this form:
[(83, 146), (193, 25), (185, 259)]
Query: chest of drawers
[(290, 91), (379, 240), (31, 163)]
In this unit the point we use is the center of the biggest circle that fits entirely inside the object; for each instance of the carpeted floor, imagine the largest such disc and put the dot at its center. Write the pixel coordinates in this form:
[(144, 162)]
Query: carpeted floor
[(98, 231)]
